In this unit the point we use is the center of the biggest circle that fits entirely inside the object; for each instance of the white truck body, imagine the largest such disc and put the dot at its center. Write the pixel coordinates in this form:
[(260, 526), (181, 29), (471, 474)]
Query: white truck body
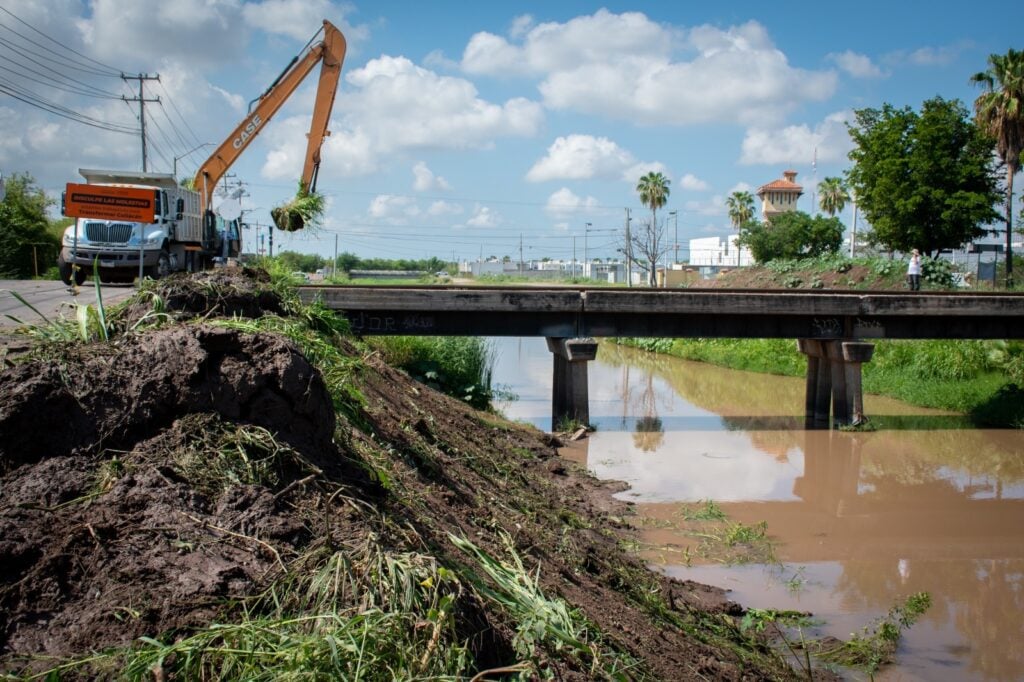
[(173, 241)]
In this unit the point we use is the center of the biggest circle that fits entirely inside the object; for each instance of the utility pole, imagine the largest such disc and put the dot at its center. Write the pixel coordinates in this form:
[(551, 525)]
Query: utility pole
[(586, 254), (141, 99), (334, 263), (629, 253), (675, 242), (574, 258), (853, 234), (520, 254)]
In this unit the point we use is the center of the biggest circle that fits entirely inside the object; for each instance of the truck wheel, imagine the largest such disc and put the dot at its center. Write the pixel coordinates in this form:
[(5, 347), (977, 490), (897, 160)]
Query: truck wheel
[(162, 267), (65, 269)]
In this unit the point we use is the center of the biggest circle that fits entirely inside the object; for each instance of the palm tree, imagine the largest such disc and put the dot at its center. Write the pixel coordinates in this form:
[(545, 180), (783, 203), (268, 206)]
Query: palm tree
[(741, 208), (1000, 112), (832, 195), (653, 189)]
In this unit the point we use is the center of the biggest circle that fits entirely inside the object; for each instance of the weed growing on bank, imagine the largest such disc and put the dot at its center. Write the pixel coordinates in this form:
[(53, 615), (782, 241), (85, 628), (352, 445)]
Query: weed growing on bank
[(460, 366)]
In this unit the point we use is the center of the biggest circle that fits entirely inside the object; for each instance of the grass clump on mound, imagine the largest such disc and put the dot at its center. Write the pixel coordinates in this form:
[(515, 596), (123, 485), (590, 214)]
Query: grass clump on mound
[(305, 209)]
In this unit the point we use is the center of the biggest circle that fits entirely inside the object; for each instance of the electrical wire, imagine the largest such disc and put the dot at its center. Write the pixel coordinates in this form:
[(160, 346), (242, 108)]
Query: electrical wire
[(38, 102), (112, 72)]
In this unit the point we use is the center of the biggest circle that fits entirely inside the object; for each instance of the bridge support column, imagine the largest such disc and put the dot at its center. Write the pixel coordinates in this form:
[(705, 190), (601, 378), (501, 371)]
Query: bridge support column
[(833, 387), (569, 389), (855, 354)]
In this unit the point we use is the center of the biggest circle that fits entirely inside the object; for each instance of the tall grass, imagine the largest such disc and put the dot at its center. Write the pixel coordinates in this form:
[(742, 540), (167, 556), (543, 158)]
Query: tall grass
[(460, 366)]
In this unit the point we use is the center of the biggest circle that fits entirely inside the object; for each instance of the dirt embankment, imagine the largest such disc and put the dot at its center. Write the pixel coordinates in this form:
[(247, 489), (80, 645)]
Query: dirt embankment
[(157, 483)]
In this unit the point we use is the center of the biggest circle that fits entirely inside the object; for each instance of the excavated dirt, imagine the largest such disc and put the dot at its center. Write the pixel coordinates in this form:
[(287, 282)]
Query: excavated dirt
[(113, 524)]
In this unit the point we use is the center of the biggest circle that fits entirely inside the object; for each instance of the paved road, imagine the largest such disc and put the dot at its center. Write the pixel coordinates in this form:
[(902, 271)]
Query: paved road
[(52, 299)]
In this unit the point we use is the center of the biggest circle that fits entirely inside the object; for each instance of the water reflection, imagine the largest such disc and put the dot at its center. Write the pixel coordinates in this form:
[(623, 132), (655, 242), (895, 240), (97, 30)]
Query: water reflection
[(861, 519)]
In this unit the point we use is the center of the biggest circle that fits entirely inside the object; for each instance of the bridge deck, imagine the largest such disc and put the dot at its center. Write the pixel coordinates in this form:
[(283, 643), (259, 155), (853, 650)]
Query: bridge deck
[(568, 312)]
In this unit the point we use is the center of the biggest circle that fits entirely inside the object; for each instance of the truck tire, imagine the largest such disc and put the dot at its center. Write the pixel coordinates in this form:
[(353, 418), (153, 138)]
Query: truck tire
[(162, 268), (65, 272)]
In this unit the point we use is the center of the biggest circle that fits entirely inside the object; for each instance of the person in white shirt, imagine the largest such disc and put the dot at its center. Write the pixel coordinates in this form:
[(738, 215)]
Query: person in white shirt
[(914, 271)]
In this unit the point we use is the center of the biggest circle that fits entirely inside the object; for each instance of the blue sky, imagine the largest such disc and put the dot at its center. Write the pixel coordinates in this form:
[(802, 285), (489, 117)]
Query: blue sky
[(465, 129)]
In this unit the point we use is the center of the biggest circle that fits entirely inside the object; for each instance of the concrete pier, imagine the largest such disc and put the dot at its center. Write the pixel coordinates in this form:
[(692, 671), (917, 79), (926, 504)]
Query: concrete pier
[(569, 386), (834, 392)]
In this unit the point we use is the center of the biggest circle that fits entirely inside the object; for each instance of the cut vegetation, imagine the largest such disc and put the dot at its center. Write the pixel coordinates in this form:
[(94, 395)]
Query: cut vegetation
[(306, 209)]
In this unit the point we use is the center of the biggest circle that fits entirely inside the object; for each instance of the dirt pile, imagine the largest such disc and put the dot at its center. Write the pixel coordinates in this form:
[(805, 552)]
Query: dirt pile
[(112, 396), (222, 292), (168, 480)]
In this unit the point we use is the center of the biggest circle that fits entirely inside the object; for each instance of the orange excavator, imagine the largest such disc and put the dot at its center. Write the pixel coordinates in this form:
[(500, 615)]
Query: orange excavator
[(331, 52)]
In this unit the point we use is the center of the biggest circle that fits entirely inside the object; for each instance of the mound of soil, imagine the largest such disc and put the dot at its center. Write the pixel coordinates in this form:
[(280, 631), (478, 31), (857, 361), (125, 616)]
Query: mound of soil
[(221, 292), (112, 396), (759, 277), (131, 503)]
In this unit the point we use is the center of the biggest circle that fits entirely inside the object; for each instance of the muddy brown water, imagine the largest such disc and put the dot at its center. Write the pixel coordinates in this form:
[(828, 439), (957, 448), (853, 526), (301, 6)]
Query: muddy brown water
[(857, 520)]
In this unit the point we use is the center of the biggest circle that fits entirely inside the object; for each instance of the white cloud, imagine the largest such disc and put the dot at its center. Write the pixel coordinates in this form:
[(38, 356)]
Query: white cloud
[(551, 47), (520, 26), (934, 56), (346, 153), (625, 66), (692, 183), (483, 216), (293, 18), (424, 179), (857, 65), (394, 106), (441, 208), (565, 202), (404, 106), (579, 157), (797, 143), (393, 209), (741, 187), (714, 206), (638, 170), (189, 31)]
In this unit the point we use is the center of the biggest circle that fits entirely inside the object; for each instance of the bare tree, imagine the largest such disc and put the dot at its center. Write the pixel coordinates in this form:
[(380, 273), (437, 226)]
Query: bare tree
[(649, 247)]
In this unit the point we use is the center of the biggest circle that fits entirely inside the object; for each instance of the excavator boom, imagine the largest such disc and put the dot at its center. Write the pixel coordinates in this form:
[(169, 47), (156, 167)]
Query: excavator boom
[(331, 52)]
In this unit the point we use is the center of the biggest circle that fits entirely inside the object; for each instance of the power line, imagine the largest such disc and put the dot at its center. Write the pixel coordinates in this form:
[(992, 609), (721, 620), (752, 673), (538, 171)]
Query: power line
[(195, 138), (113, 72), (58, 74), (34, 100)]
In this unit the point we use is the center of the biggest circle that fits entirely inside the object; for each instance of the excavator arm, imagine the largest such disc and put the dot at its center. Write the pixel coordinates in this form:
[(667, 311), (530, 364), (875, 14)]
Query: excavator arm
[(331, 51)]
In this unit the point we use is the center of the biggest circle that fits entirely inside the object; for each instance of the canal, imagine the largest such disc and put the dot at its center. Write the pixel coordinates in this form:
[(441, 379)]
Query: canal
[(856, 521)]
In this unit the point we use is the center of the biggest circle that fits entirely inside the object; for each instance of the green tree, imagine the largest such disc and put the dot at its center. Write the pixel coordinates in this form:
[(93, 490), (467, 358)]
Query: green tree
[(741, 208), (793, 234), (301, 262), (654, 191), (24, 225), (923, 180), (1000, 112), (832, 195)]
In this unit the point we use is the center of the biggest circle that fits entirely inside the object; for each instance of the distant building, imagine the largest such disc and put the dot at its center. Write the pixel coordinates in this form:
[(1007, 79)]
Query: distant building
[(713, 253), (779, 196)]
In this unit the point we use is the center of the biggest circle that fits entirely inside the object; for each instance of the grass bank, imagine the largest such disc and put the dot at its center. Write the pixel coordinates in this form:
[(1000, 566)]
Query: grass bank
[(979, 378)]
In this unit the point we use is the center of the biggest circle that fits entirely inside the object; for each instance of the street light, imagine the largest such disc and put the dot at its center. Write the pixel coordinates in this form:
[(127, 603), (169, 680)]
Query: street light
[(204, 144)]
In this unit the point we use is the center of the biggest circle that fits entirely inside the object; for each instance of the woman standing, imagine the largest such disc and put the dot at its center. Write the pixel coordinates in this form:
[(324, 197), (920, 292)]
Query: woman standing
[(914, 270)]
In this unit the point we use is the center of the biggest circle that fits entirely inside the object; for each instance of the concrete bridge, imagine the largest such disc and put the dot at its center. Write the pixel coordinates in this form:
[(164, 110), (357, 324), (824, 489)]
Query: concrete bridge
[(833, 328)]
